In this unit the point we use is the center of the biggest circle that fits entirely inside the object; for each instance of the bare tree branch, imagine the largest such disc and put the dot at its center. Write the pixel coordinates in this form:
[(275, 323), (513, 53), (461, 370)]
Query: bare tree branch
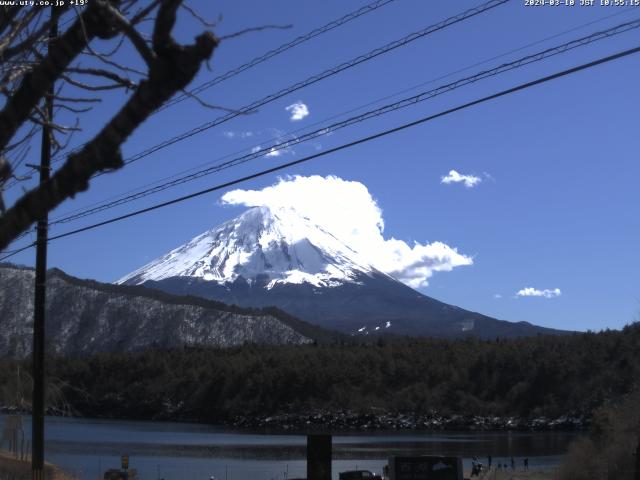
[(31, 39), (99, 72), (36, 82), (133, 35), (115, 49), (60, 147), (7, 14), (91, 87), (165, 21), (54, 126), (200, 18), (173, 67), (103, 58), (214, 107), (138, 17), (17, 27), (77, 99), (24, 139), (254, 29), (71, 109)]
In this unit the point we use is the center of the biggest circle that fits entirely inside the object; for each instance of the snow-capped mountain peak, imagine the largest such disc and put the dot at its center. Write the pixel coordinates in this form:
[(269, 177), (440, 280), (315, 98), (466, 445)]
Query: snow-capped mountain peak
[(279, 245)]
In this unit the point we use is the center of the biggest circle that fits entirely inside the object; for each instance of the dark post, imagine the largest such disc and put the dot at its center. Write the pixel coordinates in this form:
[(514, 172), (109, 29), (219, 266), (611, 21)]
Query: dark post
[(637, 476), (318, 457), (37, 412)]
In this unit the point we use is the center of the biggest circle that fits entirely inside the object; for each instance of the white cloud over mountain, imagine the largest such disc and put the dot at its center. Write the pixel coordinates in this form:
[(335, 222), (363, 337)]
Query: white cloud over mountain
[(469, 181), (534, 292), (297, 110), (347, 210)]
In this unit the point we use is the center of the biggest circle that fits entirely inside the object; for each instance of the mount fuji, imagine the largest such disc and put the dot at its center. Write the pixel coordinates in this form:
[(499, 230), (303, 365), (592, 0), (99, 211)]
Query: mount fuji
[(280, 258)]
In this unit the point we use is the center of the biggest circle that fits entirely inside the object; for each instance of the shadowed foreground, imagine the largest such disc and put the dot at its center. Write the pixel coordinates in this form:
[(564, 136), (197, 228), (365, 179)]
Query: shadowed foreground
[(15, 469), (508, 474)]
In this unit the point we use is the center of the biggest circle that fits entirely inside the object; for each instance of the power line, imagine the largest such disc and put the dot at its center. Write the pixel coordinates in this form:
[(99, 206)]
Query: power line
[(345, 146), (276, 51), (406, 102), (362, 140), (263, 58), (469, 13), (352, 110), (318, 77), (292, 133), (11, 253)]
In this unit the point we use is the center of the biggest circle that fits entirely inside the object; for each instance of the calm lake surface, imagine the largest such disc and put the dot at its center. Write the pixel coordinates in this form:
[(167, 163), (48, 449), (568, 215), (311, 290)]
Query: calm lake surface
[(176, 451)]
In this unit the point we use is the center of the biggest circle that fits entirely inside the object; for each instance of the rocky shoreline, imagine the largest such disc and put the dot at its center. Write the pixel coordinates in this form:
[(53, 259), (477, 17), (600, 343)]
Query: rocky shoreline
[(380, 421), (348, 420)]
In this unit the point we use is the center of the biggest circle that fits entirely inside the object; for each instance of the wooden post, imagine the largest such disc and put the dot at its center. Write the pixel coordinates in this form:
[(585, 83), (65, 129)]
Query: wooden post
[(318, 457)]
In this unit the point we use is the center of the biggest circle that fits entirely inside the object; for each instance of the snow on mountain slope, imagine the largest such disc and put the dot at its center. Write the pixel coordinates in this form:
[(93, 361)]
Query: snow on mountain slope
[(280, 244), (277, 256)]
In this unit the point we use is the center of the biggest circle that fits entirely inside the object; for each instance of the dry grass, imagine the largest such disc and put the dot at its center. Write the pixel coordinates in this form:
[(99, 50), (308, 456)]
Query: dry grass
[(507, 474), (14, 469)]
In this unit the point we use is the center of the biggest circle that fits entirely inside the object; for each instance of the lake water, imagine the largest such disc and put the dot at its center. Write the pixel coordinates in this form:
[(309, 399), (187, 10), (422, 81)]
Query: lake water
[(182, 451)]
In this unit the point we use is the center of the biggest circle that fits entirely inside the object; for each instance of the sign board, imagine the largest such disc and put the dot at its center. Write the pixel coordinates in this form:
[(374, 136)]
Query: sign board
[(425, 467), (319, 457), (125, 462)]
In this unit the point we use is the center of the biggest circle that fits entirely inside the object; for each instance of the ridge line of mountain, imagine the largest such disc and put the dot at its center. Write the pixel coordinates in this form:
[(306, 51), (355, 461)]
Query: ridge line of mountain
[(86, 316), (280, 257)]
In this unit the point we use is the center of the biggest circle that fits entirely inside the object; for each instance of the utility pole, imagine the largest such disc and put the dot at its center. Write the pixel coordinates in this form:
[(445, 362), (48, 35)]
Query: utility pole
[(637, 475), (37, 408)]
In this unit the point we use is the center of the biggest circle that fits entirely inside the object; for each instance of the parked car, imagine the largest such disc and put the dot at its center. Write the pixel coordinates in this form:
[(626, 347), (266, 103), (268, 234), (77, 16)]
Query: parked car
[(359, 475)]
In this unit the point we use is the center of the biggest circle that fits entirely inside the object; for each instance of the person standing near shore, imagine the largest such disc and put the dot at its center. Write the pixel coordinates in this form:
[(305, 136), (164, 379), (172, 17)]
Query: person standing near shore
[(513, 464)]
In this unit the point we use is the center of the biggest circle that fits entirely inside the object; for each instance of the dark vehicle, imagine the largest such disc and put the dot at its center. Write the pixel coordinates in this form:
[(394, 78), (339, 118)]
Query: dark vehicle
[(359, 475)]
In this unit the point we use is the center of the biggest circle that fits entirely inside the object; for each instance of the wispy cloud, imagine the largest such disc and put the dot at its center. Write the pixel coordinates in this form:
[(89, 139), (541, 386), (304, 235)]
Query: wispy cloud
[(273, 153), (534, 292), (283, 146), (297, 110), (230, 134), (497, 296), (351, 214), (469, 181)]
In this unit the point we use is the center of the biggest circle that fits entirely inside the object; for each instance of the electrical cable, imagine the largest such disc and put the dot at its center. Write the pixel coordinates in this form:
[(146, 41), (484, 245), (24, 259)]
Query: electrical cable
[(472, 12), (260, 59), (359, 141), (276, 51), (362, 140), (280, 139), (406, 102)]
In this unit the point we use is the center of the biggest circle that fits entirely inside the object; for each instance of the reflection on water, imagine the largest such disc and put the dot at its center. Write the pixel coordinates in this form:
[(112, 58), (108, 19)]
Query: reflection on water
[(193, 451)]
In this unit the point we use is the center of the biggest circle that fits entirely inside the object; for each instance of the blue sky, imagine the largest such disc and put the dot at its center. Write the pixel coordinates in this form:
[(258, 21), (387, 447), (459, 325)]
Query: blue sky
[(557, 204)]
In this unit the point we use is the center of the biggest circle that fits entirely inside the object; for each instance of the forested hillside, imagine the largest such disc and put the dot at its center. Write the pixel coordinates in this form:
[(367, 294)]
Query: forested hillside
[(545, 375)]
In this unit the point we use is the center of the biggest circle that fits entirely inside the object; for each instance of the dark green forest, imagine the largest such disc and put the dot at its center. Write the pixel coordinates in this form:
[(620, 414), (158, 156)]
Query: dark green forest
[(539, 376)]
